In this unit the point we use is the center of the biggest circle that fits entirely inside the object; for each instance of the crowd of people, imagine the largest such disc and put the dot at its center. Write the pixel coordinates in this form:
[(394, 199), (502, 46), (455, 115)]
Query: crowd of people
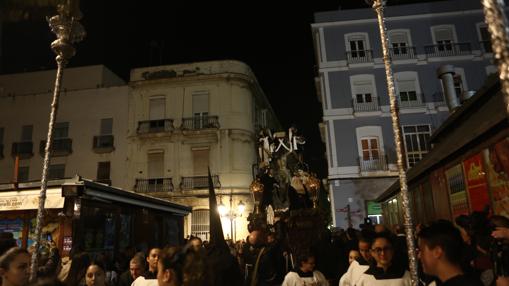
[(471, 251)]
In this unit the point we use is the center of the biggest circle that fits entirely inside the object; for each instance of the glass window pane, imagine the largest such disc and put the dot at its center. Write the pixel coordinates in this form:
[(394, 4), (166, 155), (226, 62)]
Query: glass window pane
[(374, 143), (365, 144), (359, 98), (368, 97)]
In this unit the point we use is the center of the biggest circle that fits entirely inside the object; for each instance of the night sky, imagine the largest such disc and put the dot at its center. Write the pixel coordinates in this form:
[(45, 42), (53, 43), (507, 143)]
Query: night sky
[(272, 37)]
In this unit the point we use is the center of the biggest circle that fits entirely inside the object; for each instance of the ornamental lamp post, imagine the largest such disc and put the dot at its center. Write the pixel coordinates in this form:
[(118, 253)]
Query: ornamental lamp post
[(378, 6), (231, 214), (68, 30)]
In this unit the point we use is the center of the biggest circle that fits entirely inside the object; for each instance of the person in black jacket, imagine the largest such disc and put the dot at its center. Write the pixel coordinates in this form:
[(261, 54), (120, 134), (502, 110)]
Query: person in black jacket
[(440, 251)]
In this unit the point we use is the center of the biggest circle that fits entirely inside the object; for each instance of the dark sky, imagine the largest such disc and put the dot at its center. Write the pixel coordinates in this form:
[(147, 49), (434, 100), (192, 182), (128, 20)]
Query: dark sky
[(272, 37)]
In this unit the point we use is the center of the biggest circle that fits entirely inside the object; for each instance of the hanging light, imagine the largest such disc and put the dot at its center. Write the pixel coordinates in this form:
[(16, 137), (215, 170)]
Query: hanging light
[(221, 208), (241, 207), (312, 186), (256, 188)]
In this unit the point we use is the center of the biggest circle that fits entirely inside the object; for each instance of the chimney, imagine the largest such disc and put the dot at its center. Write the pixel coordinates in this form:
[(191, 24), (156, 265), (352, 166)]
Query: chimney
[(446, 74)]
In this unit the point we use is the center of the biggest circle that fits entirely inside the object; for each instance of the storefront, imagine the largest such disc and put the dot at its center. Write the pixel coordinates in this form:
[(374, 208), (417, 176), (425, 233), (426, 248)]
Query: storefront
[(91, 216), (468, 167)]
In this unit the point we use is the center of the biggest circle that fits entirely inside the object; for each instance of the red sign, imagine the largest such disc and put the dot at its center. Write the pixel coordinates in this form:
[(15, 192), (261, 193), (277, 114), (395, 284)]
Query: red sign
[(476, 183)]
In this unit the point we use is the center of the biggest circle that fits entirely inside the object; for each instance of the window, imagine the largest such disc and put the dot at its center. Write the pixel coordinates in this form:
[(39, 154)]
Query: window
[(200, 161), (370, 148), (399, 41), (56, 171), (357, 46), (363, 91), (200, 109), (61, 130), (103, 171), (23, 174), (155, 165), (157, 108), (26, 133), (407, 90), (484, 38), (416, 142), (106, 126), (443, 37), (200, 224)]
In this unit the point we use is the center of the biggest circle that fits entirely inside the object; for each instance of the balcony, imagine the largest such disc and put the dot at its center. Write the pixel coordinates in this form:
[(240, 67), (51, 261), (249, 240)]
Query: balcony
[(155, 126), (103, 144), (403, 53), (156, 185), (448, 50), (373, 105), (360, 56), (200, 122), (198, 182), (59, 147), (486, 47), (22, 149), (373, 164), (410, 100)]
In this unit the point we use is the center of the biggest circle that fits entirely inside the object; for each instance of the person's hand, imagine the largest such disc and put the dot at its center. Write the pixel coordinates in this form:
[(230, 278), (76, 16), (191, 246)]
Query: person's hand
[(500, 233)]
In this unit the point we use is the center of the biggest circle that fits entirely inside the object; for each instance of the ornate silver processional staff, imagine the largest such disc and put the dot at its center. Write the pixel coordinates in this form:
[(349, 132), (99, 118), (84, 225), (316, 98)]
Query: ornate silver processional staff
[(68, 30), (378, 6), (496, 20)]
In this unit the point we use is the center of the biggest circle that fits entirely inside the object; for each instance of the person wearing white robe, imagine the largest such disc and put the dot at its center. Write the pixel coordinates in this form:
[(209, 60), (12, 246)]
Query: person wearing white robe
[(305, 275), (360, 265), (385, 271)]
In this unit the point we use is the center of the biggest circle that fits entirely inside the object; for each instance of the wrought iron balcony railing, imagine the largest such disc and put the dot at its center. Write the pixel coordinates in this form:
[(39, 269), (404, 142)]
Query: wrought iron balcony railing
[(485, 47), (374, 163), (200, 122), (22, 149), (59, 147), (155, 126), (153, 185), (401, 53), (103, 143), (448, 49), (373, 105), (198, 182), (360, 56), (411, 100)]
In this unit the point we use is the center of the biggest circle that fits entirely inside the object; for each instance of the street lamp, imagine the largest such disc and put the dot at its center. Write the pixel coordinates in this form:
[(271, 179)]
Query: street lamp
[(231, 213)]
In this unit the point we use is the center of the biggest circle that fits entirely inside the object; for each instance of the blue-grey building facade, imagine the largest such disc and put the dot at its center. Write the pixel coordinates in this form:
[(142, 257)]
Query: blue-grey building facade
[(352, 88)]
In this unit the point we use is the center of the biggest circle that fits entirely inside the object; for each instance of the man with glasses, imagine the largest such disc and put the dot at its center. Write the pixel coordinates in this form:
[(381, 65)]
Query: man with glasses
[(385, 270), (360, 265)]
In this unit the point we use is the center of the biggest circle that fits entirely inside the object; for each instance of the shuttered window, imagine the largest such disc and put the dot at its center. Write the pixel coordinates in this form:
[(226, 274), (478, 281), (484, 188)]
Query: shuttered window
[(157, 108), (155, 165), (200, 161), (200, 224)]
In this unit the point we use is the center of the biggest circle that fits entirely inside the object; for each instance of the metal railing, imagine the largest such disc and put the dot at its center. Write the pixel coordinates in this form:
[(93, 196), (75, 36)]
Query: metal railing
[(154, 126), (448, 49), (374, 164), (199, 182), (486, 47), (360, 56), (103, 142), (59, 147), (200, 122), (408, 103), (366, 106), (153, 185), (23, 149), (401, 53)]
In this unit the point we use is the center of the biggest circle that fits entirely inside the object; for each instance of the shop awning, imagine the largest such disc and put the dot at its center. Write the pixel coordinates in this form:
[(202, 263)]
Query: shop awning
[(29, 200)]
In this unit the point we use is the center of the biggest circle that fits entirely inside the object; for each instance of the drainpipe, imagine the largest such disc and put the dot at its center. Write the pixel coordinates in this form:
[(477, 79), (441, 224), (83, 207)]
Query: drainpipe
[(445, 73)]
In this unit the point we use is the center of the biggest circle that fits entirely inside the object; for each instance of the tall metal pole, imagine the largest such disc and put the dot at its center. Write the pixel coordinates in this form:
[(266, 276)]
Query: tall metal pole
[(68, 30), (378, 6), (496, 20)]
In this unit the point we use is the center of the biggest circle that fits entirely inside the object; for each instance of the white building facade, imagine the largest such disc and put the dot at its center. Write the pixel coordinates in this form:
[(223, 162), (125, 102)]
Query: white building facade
[(187, 118)]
